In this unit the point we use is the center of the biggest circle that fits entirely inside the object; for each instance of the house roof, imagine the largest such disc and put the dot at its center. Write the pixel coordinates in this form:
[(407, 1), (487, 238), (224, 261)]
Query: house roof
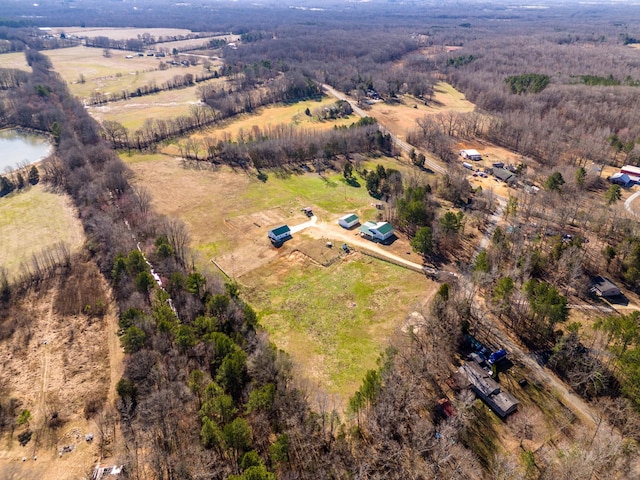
[(504, 175), (383, 228), (603, 285), (366, 228), (281, 230), (350, 218)]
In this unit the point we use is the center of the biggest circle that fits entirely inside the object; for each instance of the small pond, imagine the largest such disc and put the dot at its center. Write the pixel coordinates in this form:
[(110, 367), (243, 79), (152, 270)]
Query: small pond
[(19, 148)]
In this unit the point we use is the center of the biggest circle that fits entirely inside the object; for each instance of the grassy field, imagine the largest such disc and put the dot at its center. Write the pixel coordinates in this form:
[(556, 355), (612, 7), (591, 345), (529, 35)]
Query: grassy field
[(14, 60), (162, 105), (334, 321), (33, 220), (112, 74)]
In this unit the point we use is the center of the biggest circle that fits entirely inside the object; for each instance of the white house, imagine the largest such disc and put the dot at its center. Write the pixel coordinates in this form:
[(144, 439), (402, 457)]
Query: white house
[(379, 231), (471, 154), (349, 221), (280, 234)]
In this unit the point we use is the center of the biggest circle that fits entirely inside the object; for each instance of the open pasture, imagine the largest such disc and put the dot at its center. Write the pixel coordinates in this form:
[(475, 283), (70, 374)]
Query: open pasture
[(14, 60), (32, 221), (133, 112), (87, 70)]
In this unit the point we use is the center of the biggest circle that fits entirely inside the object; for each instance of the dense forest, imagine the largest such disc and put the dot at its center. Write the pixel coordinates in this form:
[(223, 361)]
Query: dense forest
[(204, 393)]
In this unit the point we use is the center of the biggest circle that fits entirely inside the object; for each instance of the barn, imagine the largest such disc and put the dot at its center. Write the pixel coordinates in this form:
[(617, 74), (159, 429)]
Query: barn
[(280, 234), (471, 154), (377, 231), (349, 221)]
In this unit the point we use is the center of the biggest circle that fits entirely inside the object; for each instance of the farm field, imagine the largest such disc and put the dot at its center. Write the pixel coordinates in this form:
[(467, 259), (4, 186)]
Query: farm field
[(112, 74), (14, 60), (133, 112), (32, 221), (121, 33), (401, 117)]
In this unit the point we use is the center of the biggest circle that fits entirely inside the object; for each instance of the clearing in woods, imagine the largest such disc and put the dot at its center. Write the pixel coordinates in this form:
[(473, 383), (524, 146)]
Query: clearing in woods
[(56, 363), (32, 221), (400, 117)]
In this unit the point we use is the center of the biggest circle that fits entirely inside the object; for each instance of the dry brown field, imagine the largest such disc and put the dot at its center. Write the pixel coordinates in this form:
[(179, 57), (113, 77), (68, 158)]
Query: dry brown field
[(53, 367), (14, 60), (164, 105), (401, 117)]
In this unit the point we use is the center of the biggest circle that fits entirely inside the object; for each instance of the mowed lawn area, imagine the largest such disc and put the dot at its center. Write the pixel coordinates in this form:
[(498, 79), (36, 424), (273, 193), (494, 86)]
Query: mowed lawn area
[(334, 321), (32, 221)]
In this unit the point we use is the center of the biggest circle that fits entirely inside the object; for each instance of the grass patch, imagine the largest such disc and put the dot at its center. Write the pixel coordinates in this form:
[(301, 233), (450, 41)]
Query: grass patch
[(14, 60), (334, 321), (480, 434), (33, 220), (164, 105)]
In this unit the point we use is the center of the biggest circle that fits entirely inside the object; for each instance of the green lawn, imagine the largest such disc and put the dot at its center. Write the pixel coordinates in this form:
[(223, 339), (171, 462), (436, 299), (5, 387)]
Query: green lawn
[(334, 321), (32, 221)]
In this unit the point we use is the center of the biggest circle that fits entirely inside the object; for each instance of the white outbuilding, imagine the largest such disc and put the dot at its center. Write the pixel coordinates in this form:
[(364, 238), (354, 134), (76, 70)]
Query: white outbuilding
[(349, 221)]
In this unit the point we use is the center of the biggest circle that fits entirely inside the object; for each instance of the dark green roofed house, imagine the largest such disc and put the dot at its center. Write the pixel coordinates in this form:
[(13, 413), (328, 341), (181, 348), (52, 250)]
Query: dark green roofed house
[(505, 175), (280, 234), (377, 231)]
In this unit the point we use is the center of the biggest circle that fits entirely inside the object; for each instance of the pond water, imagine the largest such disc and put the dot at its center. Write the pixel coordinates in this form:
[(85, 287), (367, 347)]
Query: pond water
[(19, 148)]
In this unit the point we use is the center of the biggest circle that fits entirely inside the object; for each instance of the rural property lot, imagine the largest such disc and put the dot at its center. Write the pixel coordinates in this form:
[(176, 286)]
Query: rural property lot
[(32, 221), (401, 117), (334, 320), (112, 74)]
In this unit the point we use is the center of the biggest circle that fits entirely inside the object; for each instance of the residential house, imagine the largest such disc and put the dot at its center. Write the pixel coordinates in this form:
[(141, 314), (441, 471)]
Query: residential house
[(280, 234), (377, 231)]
